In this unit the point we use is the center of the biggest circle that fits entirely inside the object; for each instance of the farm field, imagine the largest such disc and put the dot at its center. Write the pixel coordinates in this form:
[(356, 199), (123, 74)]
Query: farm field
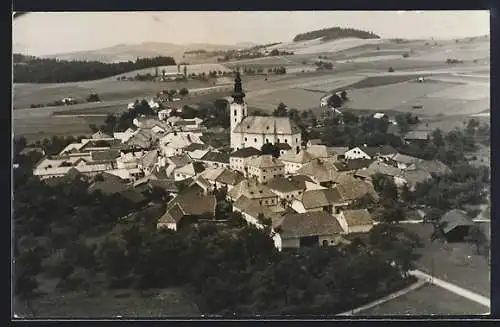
[(293, 98), (471, 91), (449, 261), (196, 68), (108, 90), (427, 300), (447, 123), (40, 128)]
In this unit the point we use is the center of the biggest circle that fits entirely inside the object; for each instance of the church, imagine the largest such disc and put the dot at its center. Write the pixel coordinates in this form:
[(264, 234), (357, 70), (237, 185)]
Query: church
[(255, 131)]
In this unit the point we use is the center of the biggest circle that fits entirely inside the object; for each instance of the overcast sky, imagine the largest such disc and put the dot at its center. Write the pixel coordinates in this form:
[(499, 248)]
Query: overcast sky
[(48, 33)]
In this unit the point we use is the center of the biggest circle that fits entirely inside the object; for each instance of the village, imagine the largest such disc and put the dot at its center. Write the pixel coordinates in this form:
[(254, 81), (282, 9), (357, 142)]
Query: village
[(306, 190)]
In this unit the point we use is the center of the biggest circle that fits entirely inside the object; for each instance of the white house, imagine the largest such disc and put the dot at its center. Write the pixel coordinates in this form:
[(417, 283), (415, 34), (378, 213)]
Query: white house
[(188, 171), (265, 167), (359, 153), (355, 221), (238, 160), (293, 161)]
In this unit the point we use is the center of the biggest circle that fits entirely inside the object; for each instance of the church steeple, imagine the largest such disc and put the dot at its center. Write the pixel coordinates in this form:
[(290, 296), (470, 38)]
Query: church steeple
[(238, 93)]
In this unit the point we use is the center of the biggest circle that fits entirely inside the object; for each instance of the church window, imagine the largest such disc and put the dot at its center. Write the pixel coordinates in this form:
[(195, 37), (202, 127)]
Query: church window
[(267, 127), (286, 141), (267, 140), (235, 112), (296, 140), (235, 120), (248, 126), (255, 140), (245, 139), (278, 141)]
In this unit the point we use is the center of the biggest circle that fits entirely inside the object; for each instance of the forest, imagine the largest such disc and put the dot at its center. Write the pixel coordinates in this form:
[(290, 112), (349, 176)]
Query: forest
[(334, 33), (29, 69)]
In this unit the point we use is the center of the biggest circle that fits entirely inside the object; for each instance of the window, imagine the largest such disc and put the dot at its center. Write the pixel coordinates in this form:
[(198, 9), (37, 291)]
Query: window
[(245, 139), (267, 140), (278, 140), (235, 112), (260, 202), (267, 202), (248, 126), (267, 127), (263, 170), (296, 139), (286, 141), (235, 120), (255, 140)]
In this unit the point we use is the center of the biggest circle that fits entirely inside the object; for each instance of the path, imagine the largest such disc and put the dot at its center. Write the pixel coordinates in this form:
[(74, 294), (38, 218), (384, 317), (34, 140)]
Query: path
[(452, 288), (387, 298)]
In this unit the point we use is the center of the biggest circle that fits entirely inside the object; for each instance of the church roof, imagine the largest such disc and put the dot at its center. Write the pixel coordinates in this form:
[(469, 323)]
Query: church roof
[(268, 125)]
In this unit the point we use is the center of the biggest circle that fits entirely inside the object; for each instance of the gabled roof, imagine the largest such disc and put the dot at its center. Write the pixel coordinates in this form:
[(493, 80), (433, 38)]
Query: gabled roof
[(264, 161), (180, 160), (251, 189), (149, 158), (211, 174), (355, 189), (321, 198), (405, 159), (195, 146), (413, 177), (245, 153), (417, 135), (454, 218), (260, 124), (192, 169), (283, 184), (215, 156), (229, 177), (316, 223), (319, 169), (352, 164), (300, 180), (357, 217), (379, 167), (301, 157), (190, 204), (106, 155), (254, 209), (108, 187)]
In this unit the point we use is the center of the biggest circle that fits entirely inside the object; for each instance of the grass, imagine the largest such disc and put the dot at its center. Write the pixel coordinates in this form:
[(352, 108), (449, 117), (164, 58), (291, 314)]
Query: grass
[(449, 262), (171, 302), (427, 300)]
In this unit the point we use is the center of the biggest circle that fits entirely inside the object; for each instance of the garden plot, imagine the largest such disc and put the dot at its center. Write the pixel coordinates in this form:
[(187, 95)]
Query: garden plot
[(391, 96), (471, 91)]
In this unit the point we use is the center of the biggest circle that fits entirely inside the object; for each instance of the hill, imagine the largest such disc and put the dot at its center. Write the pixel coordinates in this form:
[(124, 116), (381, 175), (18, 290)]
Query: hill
[(126, 52), (334, 33)]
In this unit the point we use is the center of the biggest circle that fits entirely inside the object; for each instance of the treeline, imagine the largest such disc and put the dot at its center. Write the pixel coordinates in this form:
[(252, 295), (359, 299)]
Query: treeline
[(335, 33), (38, 70)]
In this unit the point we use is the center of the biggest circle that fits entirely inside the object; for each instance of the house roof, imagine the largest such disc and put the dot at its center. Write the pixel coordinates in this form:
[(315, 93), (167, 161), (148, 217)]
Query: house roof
[(301, 157), (190, 204), (322, 151), (229, 177), (283, 184), (320, 198), (215, 156), (355, 189), (168, 185), (417, 135), (379, 167), (352, 164), (357, 217), (150, 158), (193, 168), (260, 125), (320, 169), (251, 189), (101, 135), (316, 223), (254, 209), (211, 174), (405, 159), (180, 160), (454, 218), (264, 161), (196, 146), (283, 146), (315, 142), (106, 155), (108, 186), (245, 152)]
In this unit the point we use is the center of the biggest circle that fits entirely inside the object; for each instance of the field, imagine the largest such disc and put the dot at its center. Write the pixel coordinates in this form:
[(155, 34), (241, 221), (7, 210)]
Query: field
[(108, 90), (293, 98), (450, 262), (427, 300), (127, 304), (196, 68)]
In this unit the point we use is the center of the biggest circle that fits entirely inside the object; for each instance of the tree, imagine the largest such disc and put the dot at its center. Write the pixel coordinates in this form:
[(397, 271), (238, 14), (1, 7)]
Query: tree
[(172, 92), (93, 97), (335, 101), (437, 138), (27, 266), (403, 124), (183, 92), (272, 149), (281, 110), (343, 95), (385, 186)]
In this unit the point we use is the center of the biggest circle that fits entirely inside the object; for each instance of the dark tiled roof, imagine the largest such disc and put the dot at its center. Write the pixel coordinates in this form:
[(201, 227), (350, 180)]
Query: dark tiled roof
[(246, 152), (352, 164), (357, 217), (191, 205), (229, 177), (215, 156), (133, 196), (195, 146), (180, 160), (309, 224), (107, 155), (300, 180), (108, 187), (283, 146), (454, 218), (283, 184)]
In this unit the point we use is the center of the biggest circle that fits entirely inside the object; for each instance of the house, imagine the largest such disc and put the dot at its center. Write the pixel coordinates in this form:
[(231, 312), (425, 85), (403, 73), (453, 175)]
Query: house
[(215, 159), (328, 200), (255, 131), (191, 148), (254, 191), (417, 137), (228, 178), (113, 187), (127, 174), (414, 177), (435, 167), (149, 160), (286, 188), (402, 161), (308, 229), (351, 188), (126, 135), (365, 152), (186, 209), (355, 221), (175, 162), (314, 142), (379, 115), (265, 167), (323, 102), (141, 140), (188, 171), (378, 167), (128, 160), (352, 165), (455, 225), (238, 159), (100, 135), (325, 152), (252, 211), (294, 161), (321, 171), (176, 142)]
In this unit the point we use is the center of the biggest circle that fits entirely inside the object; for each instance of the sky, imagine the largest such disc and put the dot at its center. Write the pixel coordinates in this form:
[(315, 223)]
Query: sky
[(44, 33)]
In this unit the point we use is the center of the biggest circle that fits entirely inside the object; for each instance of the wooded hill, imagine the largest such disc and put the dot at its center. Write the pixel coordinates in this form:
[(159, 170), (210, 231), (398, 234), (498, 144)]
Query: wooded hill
[(334, 33)]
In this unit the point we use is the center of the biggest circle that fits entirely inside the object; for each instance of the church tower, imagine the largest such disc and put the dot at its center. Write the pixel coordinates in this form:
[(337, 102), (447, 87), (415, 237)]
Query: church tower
[(238, 106)]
